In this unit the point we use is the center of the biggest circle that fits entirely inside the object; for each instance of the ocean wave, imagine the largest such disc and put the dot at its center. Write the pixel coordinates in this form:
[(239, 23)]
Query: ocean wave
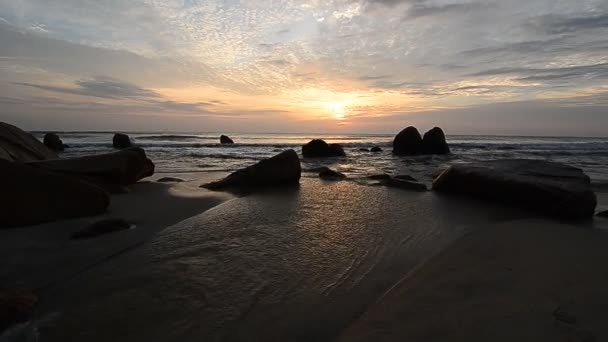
[(175, 137)]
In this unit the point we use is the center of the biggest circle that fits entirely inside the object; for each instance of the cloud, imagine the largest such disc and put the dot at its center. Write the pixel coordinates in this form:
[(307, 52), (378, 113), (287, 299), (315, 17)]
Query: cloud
[(593, 71), (554, 24), (100, 86)]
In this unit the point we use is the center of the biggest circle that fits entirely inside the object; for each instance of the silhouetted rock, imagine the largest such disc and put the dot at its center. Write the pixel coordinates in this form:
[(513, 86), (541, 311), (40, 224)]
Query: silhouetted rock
[(101, 228), (406, 178), (548, 188), (319, 148), (52, 141), (16, 306), (121, 141), (329, 174), (225, 140), (405, 184), (282, 169), (32, 195), (382, 176), (407, 142), (603, 214), (118, 168), (434, 142), (18, 145), (376, 149), (170, 180), (364, 150)]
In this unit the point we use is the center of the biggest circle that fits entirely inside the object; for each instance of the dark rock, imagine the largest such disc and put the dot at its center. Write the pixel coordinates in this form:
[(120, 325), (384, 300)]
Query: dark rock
[(382, 176), (329, 174), (225, 140), (434, 142), (548, 188), (33, 195), (405, 184), (319, 148), (564, 316), (603, 214), (52, 141), (119, 168), (282, 169), (376, 149), (406, 178), (169, 180), (363, 150), (16, 306), (17, 145), (407, 142), (100, 228), (121, 141)]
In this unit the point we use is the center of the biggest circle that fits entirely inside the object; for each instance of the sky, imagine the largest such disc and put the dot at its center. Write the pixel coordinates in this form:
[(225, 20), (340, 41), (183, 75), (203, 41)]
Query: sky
[(508, 67)]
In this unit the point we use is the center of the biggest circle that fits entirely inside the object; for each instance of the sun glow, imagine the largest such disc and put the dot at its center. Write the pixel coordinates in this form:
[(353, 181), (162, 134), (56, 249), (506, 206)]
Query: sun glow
[(338, 109)]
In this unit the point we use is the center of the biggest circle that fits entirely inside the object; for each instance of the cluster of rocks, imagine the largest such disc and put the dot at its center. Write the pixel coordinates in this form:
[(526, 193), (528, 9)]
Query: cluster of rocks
[(40, 187), (409, 142)]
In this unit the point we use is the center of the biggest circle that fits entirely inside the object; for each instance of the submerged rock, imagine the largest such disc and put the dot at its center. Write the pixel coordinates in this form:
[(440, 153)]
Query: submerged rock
[(603, 214), (382, 176), (409, 142), (406, 178), (329, 174), (405, 184), (434, 142), (16, 306), (319, 148), (121, 141), (52, 141), (18, 145), (170, 180), (224, 139), (376, 149), (33, 195), (282, 169), (548, 188), (101, 228), (364, 150)]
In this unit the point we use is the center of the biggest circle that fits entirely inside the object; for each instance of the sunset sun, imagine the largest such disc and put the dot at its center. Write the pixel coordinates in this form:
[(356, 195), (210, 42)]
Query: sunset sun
[(337, 109)]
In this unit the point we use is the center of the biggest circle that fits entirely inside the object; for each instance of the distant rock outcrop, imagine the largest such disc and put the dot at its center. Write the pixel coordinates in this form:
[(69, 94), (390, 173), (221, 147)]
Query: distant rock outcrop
[(319, 148), (282, 169), (548, 188), (18, 145), (224, 139), (409, 142), (329, 174), (52, 141), (121, 141)]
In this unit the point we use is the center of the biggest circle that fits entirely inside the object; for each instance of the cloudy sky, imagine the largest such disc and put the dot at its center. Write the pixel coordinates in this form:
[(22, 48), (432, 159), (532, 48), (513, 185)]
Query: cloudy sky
[(474, 67)]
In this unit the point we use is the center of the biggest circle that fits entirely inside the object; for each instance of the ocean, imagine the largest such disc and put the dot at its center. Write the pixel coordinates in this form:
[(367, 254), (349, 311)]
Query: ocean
[(202, 152)]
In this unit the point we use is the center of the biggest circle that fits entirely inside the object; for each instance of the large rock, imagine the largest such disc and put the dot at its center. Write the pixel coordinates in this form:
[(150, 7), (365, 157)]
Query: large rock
[(224, 139), (407, 142), (120, 141), (52, 141), (32, 195), (434, 142), (319, 148), (282, 169), (118, 168), (17, 145), (548, 188)]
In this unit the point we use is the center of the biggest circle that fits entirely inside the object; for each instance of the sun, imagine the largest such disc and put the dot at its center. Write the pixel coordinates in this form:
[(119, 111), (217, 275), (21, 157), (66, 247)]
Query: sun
[(338, 109)]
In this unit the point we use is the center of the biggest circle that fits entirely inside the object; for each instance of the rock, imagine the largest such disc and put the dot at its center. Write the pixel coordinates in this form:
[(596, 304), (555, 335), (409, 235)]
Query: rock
[(548, 188), (603, 214), (407, 142), (17, 145), (319, 148), (329, 174), (406, 178), (16, 306), (169, 180), (33, 195), (363, 150), (405, 184), (118, 168), (225, 140), (434, 142), (282, 169), (564, 316), (376, 149), (52, 141), (121, 141), (100, 228), (382, 176)]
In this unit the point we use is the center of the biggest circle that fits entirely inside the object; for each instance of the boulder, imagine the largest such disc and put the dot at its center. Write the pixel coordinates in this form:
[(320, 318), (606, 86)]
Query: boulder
[(18, 145), (225, 140), (282, 169), (548, 188), (376, 149), (405, 184), (364, 150), (52, 141), (16, 306), (381, 176), (407, 142), (319, 148), (101, 228), (118, 168), (33, 195), (120, 141), (406, 178), (170, 180), (329, 174), (434, 142)]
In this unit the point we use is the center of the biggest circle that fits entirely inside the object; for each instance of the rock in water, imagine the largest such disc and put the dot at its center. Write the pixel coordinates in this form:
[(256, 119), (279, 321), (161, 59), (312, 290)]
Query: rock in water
[(407, 142), (405, 184), (376, 149), (282, 169), (224, 139), (329, 174), (319, 148), (31, 195), (363, 149), (121, 141), (170, 180), (548, 188), (16, 306), (52, 141), (603, 214), (434, 142), (101, 228), (17, 145)]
